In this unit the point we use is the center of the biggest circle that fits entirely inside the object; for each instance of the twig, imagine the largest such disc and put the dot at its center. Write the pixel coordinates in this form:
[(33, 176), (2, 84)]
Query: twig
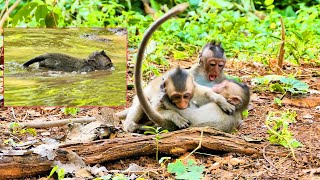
[(6, 15), (56, 123), (198, 147), (4, 8), (266, 158), (12, 112), (282, 51)]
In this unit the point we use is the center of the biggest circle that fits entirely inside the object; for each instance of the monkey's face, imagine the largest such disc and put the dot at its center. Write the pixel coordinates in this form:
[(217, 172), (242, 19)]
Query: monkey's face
[(180, 96), (100, 60), (231, 91), (213, 60), (213, 67)]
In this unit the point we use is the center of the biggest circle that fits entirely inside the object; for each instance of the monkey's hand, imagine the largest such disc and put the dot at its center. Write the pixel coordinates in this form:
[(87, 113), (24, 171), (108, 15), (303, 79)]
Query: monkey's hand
[(130, 126), (222, 102), (176, 118)]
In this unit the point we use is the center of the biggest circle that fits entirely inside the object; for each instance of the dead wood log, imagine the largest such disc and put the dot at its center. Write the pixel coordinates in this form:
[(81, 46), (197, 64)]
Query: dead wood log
[(174, 143), (56, 123)]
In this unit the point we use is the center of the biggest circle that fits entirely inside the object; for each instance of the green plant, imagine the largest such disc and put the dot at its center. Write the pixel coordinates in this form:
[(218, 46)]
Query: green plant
[(283, 84), (15, 128), (59, 171), (190, 171), (155, 131), (70, 110), (277, 101), (278, 129)]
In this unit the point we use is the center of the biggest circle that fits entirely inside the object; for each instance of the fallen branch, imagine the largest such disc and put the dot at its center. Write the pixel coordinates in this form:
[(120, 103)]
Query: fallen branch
[(173, 143), (56, 123)]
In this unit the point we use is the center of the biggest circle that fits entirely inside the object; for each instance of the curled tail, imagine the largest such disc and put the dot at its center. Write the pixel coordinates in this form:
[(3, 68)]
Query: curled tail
[(36, 59)]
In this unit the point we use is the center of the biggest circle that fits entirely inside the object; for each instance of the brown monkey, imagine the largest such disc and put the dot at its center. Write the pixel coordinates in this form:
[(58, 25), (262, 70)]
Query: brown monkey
[(209, 70), (62, 62), (177, 85), (211, 115), (179, 88)]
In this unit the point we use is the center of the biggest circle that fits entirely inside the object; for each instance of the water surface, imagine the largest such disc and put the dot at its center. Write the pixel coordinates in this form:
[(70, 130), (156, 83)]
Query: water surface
[(36, 86)]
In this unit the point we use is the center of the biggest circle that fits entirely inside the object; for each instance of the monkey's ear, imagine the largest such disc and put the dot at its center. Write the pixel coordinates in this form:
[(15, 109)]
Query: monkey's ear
[(235, 100), (102, 52), (92, 62)]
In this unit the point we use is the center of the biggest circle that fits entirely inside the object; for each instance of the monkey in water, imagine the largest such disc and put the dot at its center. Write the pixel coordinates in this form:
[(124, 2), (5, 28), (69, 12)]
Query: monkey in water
[(61, 62), (209, 70), (211, 115)]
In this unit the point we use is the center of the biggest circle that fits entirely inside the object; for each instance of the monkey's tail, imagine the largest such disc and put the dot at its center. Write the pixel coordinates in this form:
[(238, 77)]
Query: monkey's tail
[(36, 59), (145, 104)]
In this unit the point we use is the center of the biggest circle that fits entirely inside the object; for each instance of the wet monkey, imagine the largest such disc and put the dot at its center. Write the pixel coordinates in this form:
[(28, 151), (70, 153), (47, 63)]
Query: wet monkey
[(61, 62), (177, 85), (209, 70), (211, 115)]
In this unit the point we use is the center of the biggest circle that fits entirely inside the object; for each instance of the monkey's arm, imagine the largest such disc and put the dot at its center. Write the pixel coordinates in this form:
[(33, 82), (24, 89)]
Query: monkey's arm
[(211, 96)]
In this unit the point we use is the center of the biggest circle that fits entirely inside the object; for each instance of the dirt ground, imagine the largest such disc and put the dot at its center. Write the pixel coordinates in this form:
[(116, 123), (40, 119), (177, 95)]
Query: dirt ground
[(306, 129)]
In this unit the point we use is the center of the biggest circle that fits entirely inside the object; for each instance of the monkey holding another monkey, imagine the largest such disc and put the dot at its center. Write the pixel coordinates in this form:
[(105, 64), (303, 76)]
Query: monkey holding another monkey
[(211, 115), (61, 62), (177, 85)]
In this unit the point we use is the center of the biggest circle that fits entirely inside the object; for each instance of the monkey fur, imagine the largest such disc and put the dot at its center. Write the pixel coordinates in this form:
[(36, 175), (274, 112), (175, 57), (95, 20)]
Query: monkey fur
[(61, 62)]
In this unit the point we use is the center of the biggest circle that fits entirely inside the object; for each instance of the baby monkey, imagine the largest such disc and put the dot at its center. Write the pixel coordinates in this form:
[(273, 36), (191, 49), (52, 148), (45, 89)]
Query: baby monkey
[(210, 114), (61, 62), (178, 88)]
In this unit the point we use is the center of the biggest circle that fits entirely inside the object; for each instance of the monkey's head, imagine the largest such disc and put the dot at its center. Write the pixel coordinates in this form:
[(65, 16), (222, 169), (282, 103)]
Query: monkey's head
[(179, 87), (212, 58), (100, 60), (236, 93)]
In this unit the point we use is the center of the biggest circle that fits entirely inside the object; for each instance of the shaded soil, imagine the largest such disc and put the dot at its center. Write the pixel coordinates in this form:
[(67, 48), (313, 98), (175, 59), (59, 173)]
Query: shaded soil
[(218, 165)]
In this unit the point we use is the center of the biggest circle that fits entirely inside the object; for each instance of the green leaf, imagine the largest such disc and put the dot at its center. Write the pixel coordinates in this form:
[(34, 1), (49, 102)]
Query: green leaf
[(41, 13), (194, 3), (277, 87), (289, 12), (23, 13), (176, 167), (268, 2), (52, 20), (71, 110), (277, 101), (53, 170)]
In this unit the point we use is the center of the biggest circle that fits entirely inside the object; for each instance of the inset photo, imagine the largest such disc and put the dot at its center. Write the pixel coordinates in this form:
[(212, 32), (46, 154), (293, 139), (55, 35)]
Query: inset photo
[(65, 67)]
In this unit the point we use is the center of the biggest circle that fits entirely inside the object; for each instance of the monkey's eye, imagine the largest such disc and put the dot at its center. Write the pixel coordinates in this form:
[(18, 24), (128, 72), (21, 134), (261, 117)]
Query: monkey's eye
[(220, 65), (187, 96), (212, 65), (176, 98)]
